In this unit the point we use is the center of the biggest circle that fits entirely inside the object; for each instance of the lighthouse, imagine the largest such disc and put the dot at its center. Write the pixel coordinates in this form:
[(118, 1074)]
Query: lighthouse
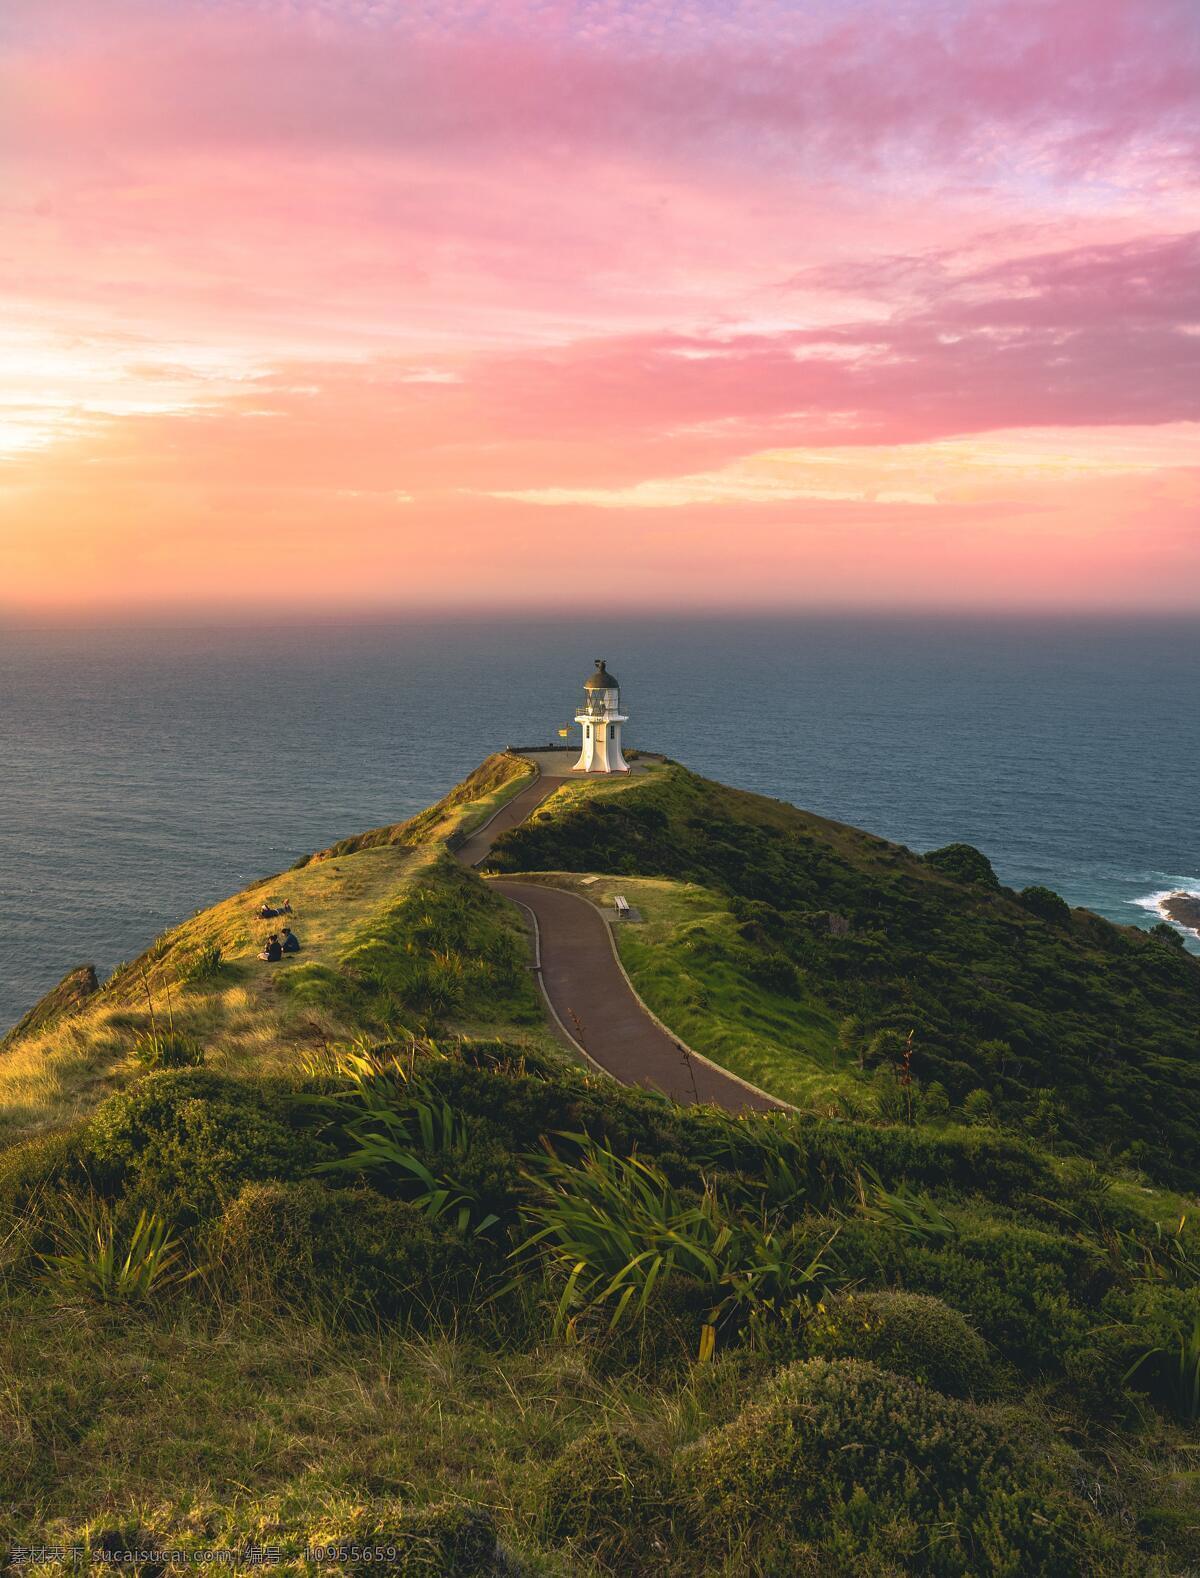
[(601, 718)]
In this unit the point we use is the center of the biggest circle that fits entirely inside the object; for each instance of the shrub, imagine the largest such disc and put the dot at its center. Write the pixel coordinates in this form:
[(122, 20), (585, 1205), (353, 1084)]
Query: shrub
[(604, 1491), (1022, 1289), (36, 1168), (350, 1252), (1046, 905), (867, 1465), (977, 1109), (1161, 1342), (934, 1102), (964, 863), (185, 1141), (907, 1333), (417, 1542), (666, 1339), (612, 1227), (448, 1163), (1164, 932)]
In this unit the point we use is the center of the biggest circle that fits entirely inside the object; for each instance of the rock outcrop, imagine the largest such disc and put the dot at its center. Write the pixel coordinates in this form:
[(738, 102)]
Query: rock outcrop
[(62, 1000), (1183, 909)]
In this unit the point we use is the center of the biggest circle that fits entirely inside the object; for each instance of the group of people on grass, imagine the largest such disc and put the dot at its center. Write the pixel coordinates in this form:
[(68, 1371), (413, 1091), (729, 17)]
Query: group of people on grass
[(279, 942)]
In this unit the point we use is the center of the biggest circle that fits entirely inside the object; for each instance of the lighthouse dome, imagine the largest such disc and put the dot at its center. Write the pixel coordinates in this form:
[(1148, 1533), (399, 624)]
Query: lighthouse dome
[(601, 679)]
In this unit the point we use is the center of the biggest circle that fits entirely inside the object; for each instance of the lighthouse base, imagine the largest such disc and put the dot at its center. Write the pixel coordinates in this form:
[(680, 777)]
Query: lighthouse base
[(601, 746)]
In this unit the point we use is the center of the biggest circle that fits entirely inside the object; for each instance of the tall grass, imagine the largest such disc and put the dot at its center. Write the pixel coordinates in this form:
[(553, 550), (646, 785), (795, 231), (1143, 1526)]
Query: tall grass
[(1175, 1369), (396, 1127), (902, 1210)]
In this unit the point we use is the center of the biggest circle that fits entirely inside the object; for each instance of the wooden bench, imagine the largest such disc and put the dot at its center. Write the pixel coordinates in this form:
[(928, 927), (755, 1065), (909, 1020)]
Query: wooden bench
[(621, 905)]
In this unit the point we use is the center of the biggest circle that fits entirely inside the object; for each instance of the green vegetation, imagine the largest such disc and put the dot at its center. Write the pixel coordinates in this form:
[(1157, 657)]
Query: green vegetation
[(388, 1272), (802, 954), (394, 935), (907, 1333), (667, 1340), (856, 1465)]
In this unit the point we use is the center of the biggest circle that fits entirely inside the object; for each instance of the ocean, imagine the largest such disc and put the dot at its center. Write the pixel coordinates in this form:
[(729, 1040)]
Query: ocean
[(145, 773)]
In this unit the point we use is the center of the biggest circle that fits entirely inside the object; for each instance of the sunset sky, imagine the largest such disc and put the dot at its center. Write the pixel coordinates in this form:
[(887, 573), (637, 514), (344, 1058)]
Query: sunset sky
[(510, 303)]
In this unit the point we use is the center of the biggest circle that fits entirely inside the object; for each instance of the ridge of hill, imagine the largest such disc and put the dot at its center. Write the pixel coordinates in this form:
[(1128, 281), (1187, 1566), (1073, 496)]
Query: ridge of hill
[(388, 1274), (395, 937)]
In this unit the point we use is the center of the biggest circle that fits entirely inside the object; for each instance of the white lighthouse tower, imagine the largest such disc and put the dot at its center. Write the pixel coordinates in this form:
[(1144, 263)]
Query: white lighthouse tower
[(601, 718)]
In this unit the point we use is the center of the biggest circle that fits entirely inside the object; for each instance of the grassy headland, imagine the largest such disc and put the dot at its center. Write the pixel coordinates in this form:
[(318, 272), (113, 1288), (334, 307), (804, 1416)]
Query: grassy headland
[(802, 954), (378, 1266), (361, 908)]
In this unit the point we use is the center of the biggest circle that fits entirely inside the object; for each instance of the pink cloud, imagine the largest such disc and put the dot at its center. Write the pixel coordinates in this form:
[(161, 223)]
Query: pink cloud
[(288, 262)]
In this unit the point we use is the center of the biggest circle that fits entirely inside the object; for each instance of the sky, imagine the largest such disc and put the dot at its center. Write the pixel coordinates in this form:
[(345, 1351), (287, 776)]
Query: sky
[(613, 304)]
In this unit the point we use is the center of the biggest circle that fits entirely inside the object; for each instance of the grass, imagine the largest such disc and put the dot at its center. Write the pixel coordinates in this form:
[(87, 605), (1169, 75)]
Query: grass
[(241, 1009), (272, 1432), (239, 1013), (205, 1420), (682, 1249), (1073, 1028), (679, 958)]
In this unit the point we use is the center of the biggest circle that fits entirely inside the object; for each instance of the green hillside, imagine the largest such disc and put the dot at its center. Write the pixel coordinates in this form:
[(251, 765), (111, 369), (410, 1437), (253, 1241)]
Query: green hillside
[(349, 1255), (803, 953), (382, 916)]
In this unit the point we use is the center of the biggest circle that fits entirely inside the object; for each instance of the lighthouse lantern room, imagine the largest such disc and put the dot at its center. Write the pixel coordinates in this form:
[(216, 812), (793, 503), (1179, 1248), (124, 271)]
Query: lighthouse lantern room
[(601, 718)]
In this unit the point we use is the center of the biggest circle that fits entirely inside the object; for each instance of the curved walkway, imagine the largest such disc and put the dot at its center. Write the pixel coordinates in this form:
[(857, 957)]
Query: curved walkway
[(589, 995)]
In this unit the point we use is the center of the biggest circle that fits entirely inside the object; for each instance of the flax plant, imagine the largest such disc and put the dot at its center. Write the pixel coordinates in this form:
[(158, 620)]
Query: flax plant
[(614, 1228), (98, 1261)]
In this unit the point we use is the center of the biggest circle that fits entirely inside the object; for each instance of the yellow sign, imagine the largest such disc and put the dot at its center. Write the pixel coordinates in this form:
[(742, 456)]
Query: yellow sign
[(562, 733)]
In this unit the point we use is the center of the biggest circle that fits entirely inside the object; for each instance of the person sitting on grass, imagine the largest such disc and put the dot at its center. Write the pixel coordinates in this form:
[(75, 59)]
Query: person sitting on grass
[(273, 951), (290, 942)]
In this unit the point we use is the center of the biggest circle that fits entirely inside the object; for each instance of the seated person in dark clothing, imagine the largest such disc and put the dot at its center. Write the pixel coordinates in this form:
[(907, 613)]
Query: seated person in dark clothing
[(290, 942), (273, 951)]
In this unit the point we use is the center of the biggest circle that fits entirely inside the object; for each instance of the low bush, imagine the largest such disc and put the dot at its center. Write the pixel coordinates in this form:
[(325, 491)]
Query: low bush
[(184, 1141), (964, 863), (664, 1341), (350, 1253), (1157, 1346), (203, 965), (1046, 905), (158, 1049), (605, 1492), (609, 1228), (417, 1542), (870, 1467), (1030, 1294), (38, 1167), (101, 1258), (907, 1333), (394, 1130)]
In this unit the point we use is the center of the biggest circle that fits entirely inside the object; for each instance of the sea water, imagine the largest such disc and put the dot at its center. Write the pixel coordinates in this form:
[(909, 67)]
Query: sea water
[(147, 772)]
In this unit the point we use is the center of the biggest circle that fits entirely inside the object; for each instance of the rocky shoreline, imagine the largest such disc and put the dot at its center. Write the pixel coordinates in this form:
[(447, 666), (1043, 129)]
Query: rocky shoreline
[(1183, 909)]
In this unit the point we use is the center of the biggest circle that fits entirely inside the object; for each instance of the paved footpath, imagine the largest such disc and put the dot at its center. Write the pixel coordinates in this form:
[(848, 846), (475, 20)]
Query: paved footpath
[(511, 814), (588, 993)]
